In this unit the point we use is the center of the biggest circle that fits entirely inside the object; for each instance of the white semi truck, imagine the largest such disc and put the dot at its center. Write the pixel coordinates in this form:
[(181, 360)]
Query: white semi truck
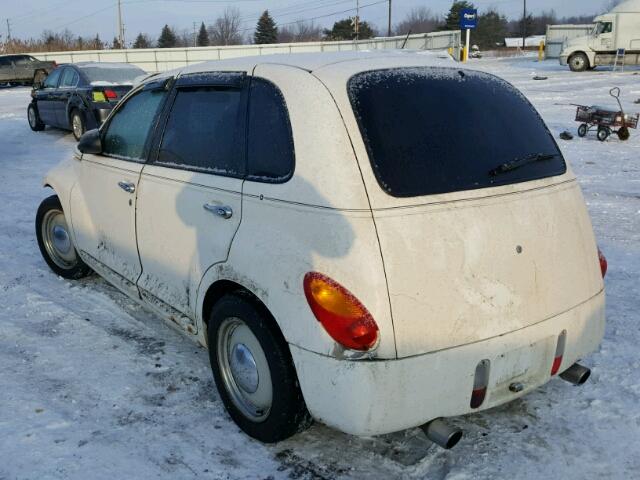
[(615, 33)]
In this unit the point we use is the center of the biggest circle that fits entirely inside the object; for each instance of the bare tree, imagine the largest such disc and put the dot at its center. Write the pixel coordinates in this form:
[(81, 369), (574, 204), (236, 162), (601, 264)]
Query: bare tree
[(226, 29), (419, 20), (300, 31)]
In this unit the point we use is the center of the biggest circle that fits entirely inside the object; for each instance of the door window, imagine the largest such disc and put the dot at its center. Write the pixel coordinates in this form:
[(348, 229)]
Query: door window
[(270, 154), (204, 131), (5, 61), (128, 130), (22, 61), (52, 79), (69, 78)]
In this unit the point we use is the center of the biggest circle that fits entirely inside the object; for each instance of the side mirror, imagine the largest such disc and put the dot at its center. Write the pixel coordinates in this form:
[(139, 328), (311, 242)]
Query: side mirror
[(90, 142)]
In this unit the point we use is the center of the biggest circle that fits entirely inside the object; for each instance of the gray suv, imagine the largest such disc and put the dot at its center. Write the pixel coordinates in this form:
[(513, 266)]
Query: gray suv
[(23, 69)]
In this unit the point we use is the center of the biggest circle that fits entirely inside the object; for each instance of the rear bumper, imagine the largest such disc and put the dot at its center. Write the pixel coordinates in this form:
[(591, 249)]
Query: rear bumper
[(378, 397)]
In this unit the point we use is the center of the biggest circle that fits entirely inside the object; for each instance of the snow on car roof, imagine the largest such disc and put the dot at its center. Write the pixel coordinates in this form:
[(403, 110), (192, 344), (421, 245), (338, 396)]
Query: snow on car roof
[(315, 61)]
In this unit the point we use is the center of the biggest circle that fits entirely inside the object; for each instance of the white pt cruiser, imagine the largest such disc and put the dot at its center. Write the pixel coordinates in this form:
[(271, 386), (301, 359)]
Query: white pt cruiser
[(375, 241)]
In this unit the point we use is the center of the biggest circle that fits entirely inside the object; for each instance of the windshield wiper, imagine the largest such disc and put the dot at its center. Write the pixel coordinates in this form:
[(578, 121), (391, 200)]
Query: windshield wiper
[(519, 162)]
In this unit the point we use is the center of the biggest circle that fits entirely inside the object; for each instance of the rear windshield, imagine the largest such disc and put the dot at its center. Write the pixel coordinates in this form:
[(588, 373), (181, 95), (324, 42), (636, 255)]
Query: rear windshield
[(112, 74), (439, 130)]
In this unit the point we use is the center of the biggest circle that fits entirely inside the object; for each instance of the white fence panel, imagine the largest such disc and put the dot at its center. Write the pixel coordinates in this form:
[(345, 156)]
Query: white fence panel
[(161, 59)]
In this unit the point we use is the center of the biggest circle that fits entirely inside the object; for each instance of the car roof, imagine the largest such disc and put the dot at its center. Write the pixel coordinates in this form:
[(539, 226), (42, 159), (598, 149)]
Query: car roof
[(103, 65), (314, 61)]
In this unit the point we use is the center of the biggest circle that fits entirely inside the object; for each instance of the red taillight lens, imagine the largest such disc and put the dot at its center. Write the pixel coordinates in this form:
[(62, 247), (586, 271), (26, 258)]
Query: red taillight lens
[(341, 314), (557, 358), (110, 94), (603, 263), (480, 382)]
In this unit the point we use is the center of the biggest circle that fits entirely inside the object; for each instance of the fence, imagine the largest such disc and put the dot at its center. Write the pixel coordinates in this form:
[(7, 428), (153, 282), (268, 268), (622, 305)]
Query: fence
[(558, 35), (161, 59)]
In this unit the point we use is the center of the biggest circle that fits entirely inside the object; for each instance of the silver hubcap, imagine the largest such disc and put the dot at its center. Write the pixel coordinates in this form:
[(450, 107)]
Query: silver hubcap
[(244, 369), (77, 125), (578, 62), (32, 117), (56, 239)]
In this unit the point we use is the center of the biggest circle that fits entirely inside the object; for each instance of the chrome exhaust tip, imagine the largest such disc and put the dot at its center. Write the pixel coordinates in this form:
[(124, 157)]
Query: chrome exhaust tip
[(576, 374), (442, 434)]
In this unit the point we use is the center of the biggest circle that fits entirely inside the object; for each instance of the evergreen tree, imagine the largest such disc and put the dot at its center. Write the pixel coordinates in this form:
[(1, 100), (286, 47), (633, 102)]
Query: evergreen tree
[(167, 38), (345, 30), (492, 30), (116, 44), (97, 43), (452, 20), (142, 41), (266, 30), (203, 36)]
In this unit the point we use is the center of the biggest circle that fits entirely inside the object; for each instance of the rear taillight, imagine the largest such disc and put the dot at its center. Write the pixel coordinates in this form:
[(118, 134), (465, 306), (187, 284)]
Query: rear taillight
[(603, 263), (557, 358), (110, 94), (480, 382), (341, 314)]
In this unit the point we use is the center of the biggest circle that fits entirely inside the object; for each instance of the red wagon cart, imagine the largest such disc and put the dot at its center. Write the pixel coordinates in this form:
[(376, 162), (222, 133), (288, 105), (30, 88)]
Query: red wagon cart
[(605, 120)]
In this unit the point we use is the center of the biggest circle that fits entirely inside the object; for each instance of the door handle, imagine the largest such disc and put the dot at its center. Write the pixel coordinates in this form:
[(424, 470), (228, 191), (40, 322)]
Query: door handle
[(127, 186), (223, 211)]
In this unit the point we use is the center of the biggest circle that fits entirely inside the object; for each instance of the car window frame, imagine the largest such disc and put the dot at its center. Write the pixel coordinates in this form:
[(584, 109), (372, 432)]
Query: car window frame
[(164, 84), (44, 87), (206, 79), (289, 176), (64, 71)]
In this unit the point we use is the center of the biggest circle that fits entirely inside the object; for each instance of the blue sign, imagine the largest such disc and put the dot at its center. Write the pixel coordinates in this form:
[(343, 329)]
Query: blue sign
[(468, 19)]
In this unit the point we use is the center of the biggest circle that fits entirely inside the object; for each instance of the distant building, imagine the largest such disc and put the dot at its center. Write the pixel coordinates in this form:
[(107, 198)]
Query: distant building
[(532, 41)]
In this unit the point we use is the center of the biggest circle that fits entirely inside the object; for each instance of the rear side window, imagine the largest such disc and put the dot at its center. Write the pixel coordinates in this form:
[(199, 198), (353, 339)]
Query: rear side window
[(270, 154), (439, 130), (5, 62), (204, 131), (129, 128), (69, 78)]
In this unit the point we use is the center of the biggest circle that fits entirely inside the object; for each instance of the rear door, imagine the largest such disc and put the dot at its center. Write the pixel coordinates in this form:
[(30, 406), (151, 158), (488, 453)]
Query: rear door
[(68, 82), (103, 201), (46, 98), (481, 229), (190, 194)]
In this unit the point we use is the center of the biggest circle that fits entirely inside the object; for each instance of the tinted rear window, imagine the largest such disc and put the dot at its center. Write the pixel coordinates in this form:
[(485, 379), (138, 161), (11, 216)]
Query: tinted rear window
[(439, 130), (112, 74)]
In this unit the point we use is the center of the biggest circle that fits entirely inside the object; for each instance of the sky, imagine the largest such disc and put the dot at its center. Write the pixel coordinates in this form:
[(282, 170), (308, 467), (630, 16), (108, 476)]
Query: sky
[(28, 18)]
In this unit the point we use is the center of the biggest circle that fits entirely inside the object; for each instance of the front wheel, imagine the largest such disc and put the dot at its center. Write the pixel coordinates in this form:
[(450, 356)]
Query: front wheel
[(54, 240), (623, 133), (582, 130), (253, 370), (603, 133), (578, 62), (34, 119)]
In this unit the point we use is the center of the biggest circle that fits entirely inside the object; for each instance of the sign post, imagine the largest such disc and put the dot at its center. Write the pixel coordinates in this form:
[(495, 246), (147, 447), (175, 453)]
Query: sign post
[(468, 21)]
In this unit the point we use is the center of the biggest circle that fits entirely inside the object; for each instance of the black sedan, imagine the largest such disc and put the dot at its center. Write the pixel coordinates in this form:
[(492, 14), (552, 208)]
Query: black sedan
[(79, 96)]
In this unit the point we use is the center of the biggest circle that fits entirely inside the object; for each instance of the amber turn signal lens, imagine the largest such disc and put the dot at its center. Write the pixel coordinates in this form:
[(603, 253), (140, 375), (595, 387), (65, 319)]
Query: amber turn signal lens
[(341, 314)]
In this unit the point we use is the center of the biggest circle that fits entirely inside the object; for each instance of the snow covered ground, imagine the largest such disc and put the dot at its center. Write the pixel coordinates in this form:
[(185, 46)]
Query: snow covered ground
[(94, 387)]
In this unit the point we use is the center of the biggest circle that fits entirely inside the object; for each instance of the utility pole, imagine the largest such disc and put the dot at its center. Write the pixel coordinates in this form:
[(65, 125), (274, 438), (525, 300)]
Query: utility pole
[(8, 30), (389, 23), (120, 26), (195, 35), (357, 19), (524, 24)]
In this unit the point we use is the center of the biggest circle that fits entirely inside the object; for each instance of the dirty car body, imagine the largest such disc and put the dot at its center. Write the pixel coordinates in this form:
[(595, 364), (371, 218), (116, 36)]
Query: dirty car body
[(411, 274), (22, 68)]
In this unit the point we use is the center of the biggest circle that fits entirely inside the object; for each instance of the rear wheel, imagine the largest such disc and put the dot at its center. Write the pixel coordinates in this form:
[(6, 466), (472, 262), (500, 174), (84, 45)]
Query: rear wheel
[(253, 370), (623, 133), (34, 118), (603, 133), (582, 130), (78, 126), (578, 62), (54, 240)]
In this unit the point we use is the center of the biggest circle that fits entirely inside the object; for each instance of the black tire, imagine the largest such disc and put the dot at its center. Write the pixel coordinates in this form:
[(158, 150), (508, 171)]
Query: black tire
[(579, 62), (67, 263), (78, 125), (33, 117), (623, 134), (603, 133), (582, 130), (287, 413)]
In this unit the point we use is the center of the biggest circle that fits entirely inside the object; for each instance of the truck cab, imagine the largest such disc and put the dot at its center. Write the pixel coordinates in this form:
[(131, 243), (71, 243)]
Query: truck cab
[(615, 38)]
